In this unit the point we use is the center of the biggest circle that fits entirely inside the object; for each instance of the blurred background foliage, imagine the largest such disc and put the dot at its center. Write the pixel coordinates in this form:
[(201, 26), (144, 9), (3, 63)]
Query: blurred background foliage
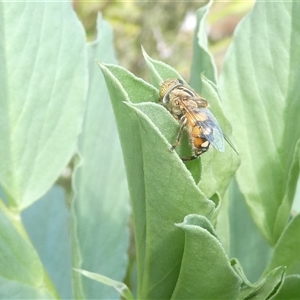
[(165, 29)]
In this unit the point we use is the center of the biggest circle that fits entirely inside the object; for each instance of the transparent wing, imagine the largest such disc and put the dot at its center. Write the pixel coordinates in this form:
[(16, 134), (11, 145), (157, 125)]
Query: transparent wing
[(210, 127), (230, 143), (204, 119)]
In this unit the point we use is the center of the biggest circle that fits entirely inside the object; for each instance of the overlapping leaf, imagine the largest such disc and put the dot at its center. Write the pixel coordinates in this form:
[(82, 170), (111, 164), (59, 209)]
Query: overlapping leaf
[(205, 271), (266, 287), (290, 289), (162, 189), (259, 86)]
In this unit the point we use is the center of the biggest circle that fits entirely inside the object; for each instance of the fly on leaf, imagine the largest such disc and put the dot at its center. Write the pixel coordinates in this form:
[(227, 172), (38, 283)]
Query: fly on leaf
[(191, 111)]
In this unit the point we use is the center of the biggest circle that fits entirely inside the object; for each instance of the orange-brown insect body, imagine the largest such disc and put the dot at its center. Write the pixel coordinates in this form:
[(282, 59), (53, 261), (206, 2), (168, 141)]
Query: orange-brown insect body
[(191, 110)]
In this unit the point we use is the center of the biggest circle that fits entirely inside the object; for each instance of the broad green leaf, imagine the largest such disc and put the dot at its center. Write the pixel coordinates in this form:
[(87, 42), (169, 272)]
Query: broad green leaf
[(290, 289), (101, 201), (175, 196), (205, 271), (246, 242), (202, 59), (162, 189), (286, 252), (266, 287), (259, 86), (43, 84), (128, 129), (21, 273), (47, 224), (120, 287)]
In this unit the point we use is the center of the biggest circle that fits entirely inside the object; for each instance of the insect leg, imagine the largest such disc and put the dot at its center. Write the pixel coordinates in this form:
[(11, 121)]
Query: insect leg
[(189, 158), (183, 121), (198, 150)]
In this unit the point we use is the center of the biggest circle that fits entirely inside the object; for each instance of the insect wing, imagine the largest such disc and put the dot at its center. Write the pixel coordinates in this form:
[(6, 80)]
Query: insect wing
[(230, 143), (210, 128)]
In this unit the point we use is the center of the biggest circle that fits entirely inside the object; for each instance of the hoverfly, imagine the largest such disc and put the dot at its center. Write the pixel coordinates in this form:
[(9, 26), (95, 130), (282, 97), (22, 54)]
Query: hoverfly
[(191, 110)]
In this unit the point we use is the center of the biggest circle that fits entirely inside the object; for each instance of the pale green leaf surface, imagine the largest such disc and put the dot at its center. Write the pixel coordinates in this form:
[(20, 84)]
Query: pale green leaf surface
[(239, 270), (296, 203), (101, 201), (202, 61), (10, 289), (47, 224), (259, 86), (162, 190), (43, 84), (120, 287), (128, 128), (21, 271), (287, 250), (266, 287), (159, 71), (170, 195), (246, 242), (290, 289), (222, 225), (205, 271)]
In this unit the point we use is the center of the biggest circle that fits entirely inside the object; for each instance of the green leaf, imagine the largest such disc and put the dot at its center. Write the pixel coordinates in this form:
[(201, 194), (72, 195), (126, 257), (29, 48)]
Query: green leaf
[(290, 289), (21, 274), (47, 224), (43, 84), (13, 290), (239, 270), (159, 71), (259, 86), (205, 271), (120, 287), (101, 208), (128, 129), (286, 252), (296, 203), (161, 188), (246, 242), (266, 287), (202, 59)]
